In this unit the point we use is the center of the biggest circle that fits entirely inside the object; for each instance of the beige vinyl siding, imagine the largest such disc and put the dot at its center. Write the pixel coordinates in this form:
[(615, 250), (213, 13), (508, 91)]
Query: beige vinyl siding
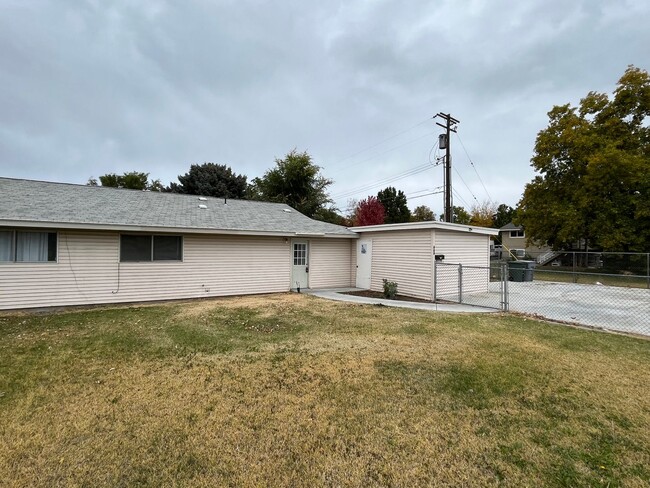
[(466, 249), (329, 263), (87, 271), (353, 262), (403, 257)]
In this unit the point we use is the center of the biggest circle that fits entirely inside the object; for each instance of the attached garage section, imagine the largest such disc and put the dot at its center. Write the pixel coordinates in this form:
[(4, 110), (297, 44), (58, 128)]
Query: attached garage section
[(406, 254), (330, 262)]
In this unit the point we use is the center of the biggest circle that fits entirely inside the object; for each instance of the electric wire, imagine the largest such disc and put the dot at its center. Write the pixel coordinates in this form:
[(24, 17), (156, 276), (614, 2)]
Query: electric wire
[(382, 153), (381, 142), (466, 186), (475, 170), (459, 197), (369, 186)]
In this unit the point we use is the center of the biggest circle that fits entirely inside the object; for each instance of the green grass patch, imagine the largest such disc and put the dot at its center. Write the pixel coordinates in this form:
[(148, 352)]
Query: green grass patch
[(290, 390)]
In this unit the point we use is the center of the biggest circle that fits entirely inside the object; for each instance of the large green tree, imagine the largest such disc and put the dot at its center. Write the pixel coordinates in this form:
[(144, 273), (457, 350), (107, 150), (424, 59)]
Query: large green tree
[(133, 180), (394, 203), (459, 216), (211, 180), (422, 214), (503, 215), (296, 181), (594, 161)]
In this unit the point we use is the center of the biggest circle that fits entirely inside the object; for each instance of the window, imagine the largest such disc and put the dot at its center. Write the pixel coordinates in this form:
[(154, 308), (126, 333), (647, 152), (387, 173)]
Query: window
[(27, 246), (517, 233), (135, 248), (299, 254)]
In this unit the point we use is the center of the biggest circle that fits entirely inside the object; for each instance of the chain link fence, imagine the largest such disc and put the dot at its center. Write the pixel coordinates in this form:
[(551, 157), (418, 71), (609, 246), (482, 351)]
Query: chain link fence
[(612, 301), (480, 286), (611, 268)]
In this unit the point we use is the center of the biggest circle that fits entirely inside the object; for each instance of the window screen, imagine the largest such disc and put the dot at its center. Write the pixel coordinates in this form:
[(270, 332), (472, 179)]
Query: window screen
[(167, 248), (135, 248)]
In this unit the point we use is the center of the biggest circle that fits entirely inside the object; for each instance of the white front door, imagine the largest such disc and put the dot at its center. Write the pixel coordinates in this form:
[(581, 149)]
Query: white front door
[(364, 263), (300, 267)]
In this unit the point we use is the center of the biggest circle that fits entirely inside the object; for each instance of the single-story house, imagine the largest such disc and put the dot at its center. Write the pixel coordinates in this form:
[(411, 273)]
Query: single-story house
[(64, 244)]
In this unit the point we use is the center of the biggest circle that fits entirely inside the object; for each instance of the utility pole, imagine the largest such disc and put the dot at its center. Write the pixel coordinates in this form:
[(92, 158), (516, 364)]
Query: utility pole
[(444, 142)]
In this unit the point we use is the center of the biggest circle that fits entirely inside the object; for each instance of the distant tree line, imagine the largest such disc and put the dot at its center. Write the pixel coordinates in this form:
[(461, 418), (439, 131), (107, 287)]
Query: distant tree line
[(592, 188), (298, 182)]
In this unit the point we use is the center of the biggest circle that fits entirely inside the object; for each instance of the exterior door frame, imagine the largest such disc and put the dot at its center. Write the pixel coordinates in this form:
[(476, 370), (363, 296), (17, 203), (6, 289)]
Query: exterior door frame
[(364, 264), (299, 264)]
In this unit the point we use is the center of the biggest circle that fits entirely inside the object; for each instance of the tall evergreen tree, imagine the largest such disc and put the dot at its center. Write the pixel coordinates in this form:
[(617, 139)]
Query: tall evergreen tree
[(394, 202)]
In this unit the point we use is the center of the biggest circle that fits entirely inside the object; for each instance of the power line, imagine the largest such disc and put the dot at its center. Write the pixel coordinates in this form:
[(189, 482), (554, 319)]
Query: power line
[(460, 197), (475, 170), (425, 194), (384, 152), (466, 186), (381, 142), (369, 186)]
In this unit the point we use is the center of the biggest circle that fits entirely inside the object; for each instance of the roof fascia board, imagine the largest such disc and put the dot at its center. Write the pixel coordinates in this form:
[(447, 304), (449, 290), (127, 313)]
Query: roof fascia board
[(470, 229), (176, 230)]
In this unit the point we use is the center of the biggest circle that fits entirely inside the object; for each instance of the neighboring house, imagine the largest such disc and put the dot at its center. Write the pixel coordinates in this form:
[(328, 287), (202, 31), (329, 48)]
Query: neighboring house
[(515, 244), (63, 244)]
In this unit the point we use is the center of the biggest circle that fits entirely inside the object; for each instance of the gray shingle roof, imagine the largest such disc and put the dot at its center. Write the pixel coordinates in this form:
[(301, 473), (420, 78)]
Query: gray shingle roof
[(511, 226), (62, 203)]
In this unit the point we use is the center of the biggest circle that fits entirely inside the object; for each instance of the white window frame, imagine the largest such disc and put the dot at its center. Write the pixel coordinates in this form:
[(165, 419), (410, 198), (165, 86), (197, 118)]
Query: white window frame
[(517, 234)]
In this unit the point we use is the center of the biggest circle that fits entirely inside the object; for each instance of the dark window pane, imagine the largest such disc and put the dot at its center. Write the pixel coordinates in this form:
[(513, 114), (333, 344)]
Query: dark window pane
[(135, 248), (51, 246), (6, 245), (167, 248)]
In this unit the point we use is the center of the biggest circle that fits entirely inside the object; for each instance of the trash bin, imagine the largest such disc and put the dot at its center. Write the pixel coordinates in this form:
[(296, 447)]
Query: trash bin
[(521, 270)]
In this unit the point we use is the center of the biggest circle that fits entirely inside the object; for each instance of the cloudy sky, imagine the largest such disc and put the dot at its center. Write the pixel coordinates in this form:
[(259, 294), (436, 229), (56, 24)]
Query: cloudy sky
[(92, 87)]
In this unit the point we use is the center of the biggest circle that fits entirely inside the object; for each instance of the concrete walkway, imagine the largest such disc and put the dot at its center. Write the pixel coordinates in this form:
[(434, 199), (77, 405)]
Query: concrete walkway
[(339, 295)]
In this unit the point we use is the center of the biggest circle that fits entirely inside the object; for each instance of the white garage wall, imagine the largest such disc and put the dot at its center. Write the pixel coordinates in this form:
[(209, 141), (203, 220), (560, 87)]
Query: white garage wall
[(329, 263), (467, 249), (404, 257)]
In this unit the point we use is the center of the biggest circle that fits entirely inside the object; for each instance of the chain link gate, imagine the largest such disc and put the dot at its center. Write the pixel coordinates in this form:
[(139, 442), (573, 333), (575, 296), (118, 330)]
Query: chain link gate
[(481, 286)]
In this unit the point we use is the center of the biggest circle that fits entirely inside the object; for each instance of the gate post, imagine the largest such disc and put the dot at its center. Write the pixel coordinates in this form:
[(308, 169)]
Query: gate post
[(460, 283)]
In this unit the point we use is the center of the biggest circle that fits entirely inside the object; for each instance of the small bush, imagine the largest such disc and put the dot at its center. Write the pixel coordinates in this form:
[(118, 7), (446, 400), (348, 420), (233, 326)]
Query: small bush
[(390, 289)]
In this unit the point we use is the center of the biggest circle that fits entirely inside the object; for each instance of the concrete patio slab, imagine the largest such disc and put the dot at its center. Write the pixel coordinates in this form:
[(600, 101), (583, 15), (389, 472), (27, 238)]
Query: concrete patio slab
[(339, 295)]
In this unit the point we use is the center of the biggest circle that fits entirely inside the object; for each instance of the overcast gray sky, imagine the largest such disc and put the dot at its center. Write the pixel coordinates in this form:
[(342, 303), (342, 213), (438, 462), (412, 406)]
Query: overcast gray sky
[(92, 87)]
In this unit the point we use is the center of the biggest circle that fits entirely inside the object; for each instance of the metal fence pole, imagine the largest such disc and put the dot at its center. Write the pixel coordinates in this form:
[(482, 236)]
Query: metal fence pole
[(460, 283), (505, 305), (647, 269), (435, 281), (575, 276)]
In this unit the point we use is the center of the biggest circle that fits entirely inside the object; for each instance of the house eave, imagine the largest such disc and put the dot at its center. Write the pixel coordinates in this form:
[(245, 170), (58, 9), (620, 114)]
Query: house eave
[(426, 225), (162, 229)]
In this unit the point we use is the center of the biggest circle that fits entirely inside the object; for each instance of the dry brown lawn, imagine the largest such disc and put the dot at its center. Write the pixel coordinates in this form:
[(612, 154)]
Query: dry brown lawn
[(292, 390)]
